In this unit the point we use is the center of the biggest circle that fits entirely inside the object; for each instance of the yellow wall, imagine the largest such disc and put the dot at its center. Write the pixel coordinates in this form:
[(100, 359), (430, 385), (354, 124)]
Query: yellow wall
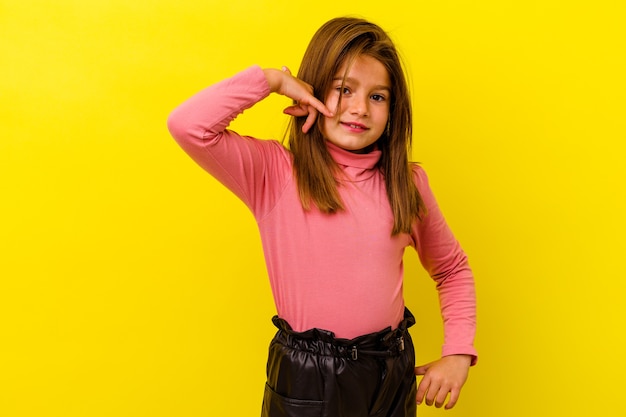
[(132, 284)]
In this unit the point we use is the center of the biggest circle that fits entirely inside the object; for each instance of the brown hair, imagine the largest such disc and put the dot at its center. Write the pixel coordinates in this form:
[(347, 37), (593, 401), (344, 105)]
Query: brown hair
[(337, 42)]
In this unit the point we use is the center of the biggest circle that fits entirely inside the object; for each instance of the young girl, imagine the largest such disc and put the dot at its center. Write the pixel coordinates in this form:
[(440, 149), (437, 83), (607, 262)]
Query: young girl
[(335, 212)]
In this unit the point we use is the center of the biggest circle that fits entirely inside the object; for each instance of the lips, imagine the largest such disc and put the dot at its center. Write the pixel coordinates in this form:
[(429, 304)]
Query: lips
[(354, 126)]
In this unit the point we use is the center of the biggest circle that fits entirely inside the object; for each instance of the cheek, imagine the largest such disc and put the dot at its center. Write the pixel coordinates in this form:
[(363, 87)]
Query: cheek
[(383, 120), (328, 122), (326, 125), (331, 102)]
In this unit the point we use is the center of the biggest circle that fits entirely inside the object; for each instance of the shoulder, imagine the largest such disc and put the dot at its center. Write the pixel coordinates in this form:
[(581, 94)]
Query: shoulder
[(420, 178)]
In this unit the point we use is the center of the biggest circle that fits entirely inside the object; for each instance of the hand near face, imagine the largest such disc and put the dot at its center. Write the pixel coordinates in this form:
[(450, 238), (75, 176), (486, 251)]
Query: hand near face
[(442, 377), (282, 82)]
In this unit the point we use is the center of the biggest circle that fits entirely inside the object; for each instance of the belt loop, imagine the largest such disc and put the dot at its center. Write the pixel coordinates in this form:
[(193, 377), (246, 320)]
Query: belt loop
[(354, 353)]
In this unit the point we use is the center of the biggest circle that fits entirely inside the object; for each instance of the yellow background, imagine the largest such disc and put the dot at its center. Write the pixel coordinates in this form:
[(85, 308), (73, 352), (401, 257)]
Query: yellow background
[(132, 284)]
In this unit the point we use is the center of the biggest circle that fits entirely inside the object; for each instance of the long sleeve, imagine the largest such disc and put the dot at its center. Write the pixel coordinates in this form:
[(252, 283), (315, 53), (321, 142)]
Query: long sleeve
[(446, 262), (306, 250), (243, 164)]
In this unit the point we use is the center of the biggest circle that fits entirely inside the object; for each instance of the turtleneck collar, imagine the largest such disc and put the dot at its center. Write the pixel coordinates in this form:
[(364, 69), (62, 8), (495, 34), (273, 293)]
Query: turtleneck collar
[(356, 166)]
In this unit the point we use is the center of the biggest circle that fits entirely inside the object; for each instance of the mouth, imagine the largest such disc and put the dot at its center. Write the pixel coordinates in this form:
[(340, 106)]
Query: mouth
[(355, 126)]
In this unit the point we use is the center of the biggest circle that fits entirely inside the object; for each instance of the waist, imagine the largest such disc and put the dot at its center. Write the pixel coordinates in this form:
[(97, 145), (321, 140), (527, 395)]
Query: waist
[(386, 342)]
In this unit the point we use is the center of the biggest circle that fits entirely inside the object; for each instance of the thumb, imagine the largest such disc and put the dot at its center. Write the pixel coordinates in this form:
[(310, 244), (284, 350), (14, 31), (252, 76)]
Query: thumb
[(285, 69), (421, 370), (295, 111)]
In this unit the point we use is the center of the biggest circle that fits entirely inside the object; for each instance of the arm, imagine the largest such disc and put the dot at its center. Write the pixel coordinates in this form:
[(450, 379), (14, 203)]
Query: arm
[(242, 164), (443, 258)]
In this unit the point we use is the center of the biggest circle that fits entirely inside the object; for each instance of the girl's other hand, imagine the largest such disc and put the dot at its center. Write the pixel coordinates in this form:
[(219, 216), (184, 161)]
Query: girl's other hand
[(442, 377), (282, 82)]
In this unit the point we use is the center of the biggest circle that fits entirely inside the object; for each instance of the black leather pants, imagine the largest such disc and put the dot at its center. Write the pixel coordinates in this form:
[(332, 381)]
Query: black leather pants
[(312, 373)]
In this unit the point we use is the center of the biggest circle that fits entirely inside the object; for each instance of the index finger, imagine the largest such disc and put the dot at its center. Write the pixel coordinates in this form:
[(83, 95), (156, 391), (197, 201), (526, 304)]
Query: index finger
[(320, 107), (422, 388)]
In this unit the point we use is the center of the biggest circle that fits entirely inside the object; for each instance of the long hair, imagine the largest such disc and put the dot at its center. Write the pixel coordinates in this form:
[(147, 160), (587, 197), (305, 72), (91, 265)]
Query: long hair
[(339, 42)]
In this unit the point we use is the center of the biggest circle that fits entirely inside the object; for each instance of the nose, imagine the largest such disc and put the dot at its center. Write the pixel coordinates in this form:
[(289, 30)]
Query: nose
[(359, 105)]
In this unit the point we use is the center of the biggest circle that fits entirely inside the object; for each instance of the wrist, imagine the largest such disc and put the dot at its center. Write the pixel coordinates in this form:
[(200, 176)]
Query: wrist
[(273, 77), (461, 358)]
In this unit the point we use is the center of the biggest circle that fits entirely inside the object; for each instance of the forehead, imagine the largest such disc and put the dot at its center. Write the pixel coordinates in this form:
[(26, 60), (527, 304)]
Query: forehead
[(364, 69)]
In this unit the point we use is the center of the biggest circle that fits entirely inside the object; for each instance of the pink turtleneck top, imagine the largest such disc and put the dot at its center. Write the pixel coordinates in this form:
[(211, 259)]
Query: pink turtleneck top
[(341, 272)]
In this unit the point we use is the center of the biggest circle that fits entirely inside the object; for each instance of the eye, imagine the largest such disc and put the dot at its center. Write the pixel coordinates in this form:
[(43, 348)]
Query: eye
[(342, 90), (378, 97)]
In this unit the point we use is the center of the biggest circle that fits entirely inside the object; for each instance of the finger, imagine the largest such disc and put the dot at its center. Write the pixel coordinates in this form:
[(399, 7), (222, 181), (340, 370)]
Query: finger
[(454, 397), (310, 120), (308, 98), (321, 107), (296, 111), (422, 389), (421, 370), (441, 397), (433, 390), (429, 399)]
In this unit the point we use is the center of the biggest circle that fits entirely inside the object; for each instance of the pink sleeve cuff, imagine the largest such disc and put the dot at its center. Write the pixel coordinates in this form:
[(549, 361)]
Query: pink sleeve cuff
[(449, 350)]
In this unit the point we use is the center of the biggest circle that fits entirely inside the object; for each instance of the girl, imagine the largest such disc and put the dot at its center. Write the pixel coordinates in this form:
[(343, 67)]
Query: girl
[(335, 212)]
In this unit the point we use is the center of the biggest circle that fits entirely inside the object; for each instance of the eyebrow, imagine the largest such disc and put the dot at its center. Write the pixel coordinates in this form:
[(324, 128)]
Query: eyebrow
[(354, 81)]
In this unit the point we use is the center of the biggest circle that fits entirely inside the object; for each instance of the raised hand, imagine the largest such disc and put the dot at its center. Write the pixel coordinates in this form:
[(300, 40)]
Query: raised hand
[(282, 82)]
